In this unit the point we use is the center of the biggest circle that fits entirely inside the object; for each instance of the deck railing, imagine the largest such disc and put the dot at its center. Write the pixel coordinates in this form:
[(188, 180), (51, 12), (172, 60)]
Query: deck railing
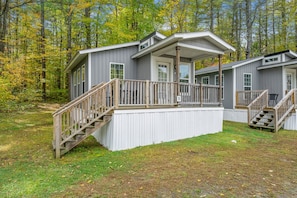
[(74, 118), (80, 113), (257, 105), (148, 93), (244, 98), (284, 107)]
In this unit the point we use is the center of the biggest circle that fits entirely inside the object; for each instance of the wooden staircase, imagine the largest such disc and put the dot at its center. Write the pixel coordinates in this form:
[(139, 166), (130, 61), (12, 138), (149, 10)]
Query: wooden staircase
[(273, 118), (265, 119), (78, 119)]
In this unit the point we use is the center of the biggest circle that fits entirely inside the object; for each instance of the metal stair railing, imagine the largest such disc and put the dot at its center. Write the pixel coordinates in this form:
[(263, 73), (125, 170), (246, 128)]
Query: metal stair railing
[(257, 105), (283, 108), (82, 112)]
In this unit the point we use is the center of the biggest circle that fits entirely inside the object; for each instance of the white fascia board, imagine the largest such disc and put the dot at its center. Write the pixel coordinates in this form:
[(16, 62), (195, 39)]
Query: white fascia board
[(111, 47), (293, 53), (248, 62), (158, 34)]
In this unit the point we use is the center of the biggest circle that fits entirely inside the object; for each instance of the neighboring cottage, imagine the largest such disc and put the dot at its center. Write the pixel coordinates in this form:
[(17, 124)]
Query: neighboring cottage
[(130, 95), (275, 73)]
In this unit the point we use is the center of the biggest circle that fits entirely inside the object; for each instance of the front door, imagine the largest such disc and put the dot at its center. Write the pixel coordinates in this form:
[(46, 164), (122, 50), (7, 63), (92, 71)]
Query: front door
[(163, 71)]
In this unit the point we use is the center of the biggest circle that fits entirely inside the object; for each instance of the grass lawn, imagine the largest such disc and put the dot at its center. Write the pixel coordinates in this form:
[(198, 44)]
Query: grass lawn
[(239, 162)]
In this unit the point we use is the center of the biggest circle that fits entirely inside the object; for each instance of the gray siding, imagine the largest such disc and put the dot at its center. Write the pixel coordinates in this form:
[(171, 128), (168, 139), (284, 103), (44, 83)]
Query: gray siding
[(100, 71), (252, 69), (272, 79), (144, 68), (228, 89), (228, 86)]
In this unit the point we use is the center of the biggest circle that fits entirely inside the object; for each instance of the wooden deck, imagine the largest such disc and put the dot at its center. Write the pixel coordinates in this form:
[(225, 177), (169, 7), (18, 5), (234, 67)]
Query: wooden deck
[(78, 119)]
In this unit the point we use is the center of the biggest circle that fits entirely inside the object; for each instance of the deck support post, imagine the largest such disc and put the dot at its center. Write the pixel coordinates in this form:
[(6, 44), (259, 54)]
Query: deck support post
[(116, 95), (57, 135), (220, 80), (177, 62)]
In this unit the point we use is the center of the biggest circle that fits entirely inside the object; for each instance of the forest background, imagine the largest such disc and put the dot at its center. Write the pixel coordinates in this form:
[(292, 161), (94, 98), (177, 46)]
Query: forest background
[(39, 37)]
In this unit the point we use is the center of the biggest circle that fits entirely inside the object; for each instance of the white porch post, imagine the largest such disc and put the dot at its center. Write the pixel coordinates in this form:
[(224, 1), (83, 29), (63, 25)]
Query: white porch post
[(177, 62), (220, 80)]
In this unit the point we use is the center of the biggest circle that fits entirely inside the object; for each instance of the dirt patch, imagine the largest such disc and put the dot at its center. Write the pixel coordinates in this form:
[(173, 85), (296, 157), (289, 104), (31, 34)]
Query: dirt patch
[(262, 171)]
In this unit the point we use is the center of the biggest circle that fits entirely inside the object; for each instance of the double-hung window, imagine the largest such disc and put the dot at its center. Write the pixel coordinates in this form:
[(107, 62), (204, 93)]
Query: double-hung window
[(217, 83), (117, 70), (205, 80), (247, 82)]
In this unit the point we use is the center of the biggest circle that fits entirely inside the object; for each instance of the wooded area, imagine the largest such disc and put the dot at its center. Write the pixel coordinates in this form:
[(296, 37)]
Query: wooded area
[(39, 37)]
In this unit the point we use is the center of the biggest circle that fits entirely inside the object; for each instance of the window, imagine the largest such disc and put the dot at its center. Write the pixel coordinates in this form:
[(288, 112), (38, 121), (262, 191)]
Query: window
[(116, 70), (144, 45), (162, 72), (184, 73), (83, 77), (271, 59), (247, 82), (217, 83), (205, 80)]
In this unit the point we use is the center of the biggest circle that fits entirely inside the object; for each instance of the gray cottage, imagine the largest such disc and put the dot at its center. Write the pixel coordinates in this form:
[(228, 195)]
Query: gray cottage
[(244, 81), (141, 93)]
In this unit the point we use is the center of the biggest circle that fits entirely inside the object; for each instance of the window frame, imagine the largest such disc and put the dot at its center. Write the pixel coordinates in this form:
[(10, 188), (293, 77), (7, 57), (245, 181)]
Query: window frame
[(205, 77), (115, 63), (271, 59), (251, 83)]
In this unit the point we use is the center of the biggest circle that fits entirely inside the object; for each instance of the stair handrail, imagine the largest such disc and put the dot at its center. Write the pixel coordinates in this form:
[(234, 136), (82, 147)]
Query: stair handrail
[(75, 114), (77, 100), (258, 104), (283, 108)]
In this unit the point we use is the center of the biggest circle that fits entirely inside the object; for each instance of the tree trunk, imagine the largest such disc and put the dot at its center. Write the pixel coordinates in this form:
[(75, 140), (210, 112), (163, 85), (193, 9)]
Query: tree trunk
[(42, 47), (88, 26), (248, 28), (4, 8)]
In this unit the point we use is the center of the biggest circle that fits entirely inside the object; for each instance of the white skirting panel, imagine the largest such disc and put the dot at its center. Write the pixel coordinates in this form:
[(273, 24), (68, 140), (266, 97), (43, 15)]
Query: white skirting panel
[(291, 122), (235, 115), (132, 128)]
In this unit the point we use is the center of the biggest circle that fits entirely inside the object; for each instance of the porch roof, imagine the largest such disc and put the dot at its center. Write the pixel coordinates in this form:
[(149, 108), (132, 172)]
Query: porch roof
[(228, 66), (194, 45)]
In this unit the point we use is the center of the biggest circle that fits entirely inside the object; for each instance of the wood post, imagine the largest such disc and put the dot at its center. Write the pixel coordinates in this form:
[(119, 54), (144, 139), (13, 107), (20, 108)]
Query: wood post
[(147, 93), (201, 95), (220, 80), (116, 94), (177, 62), (57, 134)]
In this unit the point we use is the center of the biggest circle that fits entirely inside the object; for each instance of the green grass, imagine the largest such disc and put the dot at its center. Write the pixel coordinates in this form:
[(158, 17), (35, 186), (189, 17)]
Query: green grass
[(28, 168)]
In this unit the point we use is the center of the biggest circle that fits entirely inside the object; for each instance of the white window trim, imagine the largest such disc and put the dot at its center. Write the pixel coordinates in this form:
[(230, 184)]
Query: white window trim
[(251, 81), (110, 63), (271, 57), (203, 77)]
